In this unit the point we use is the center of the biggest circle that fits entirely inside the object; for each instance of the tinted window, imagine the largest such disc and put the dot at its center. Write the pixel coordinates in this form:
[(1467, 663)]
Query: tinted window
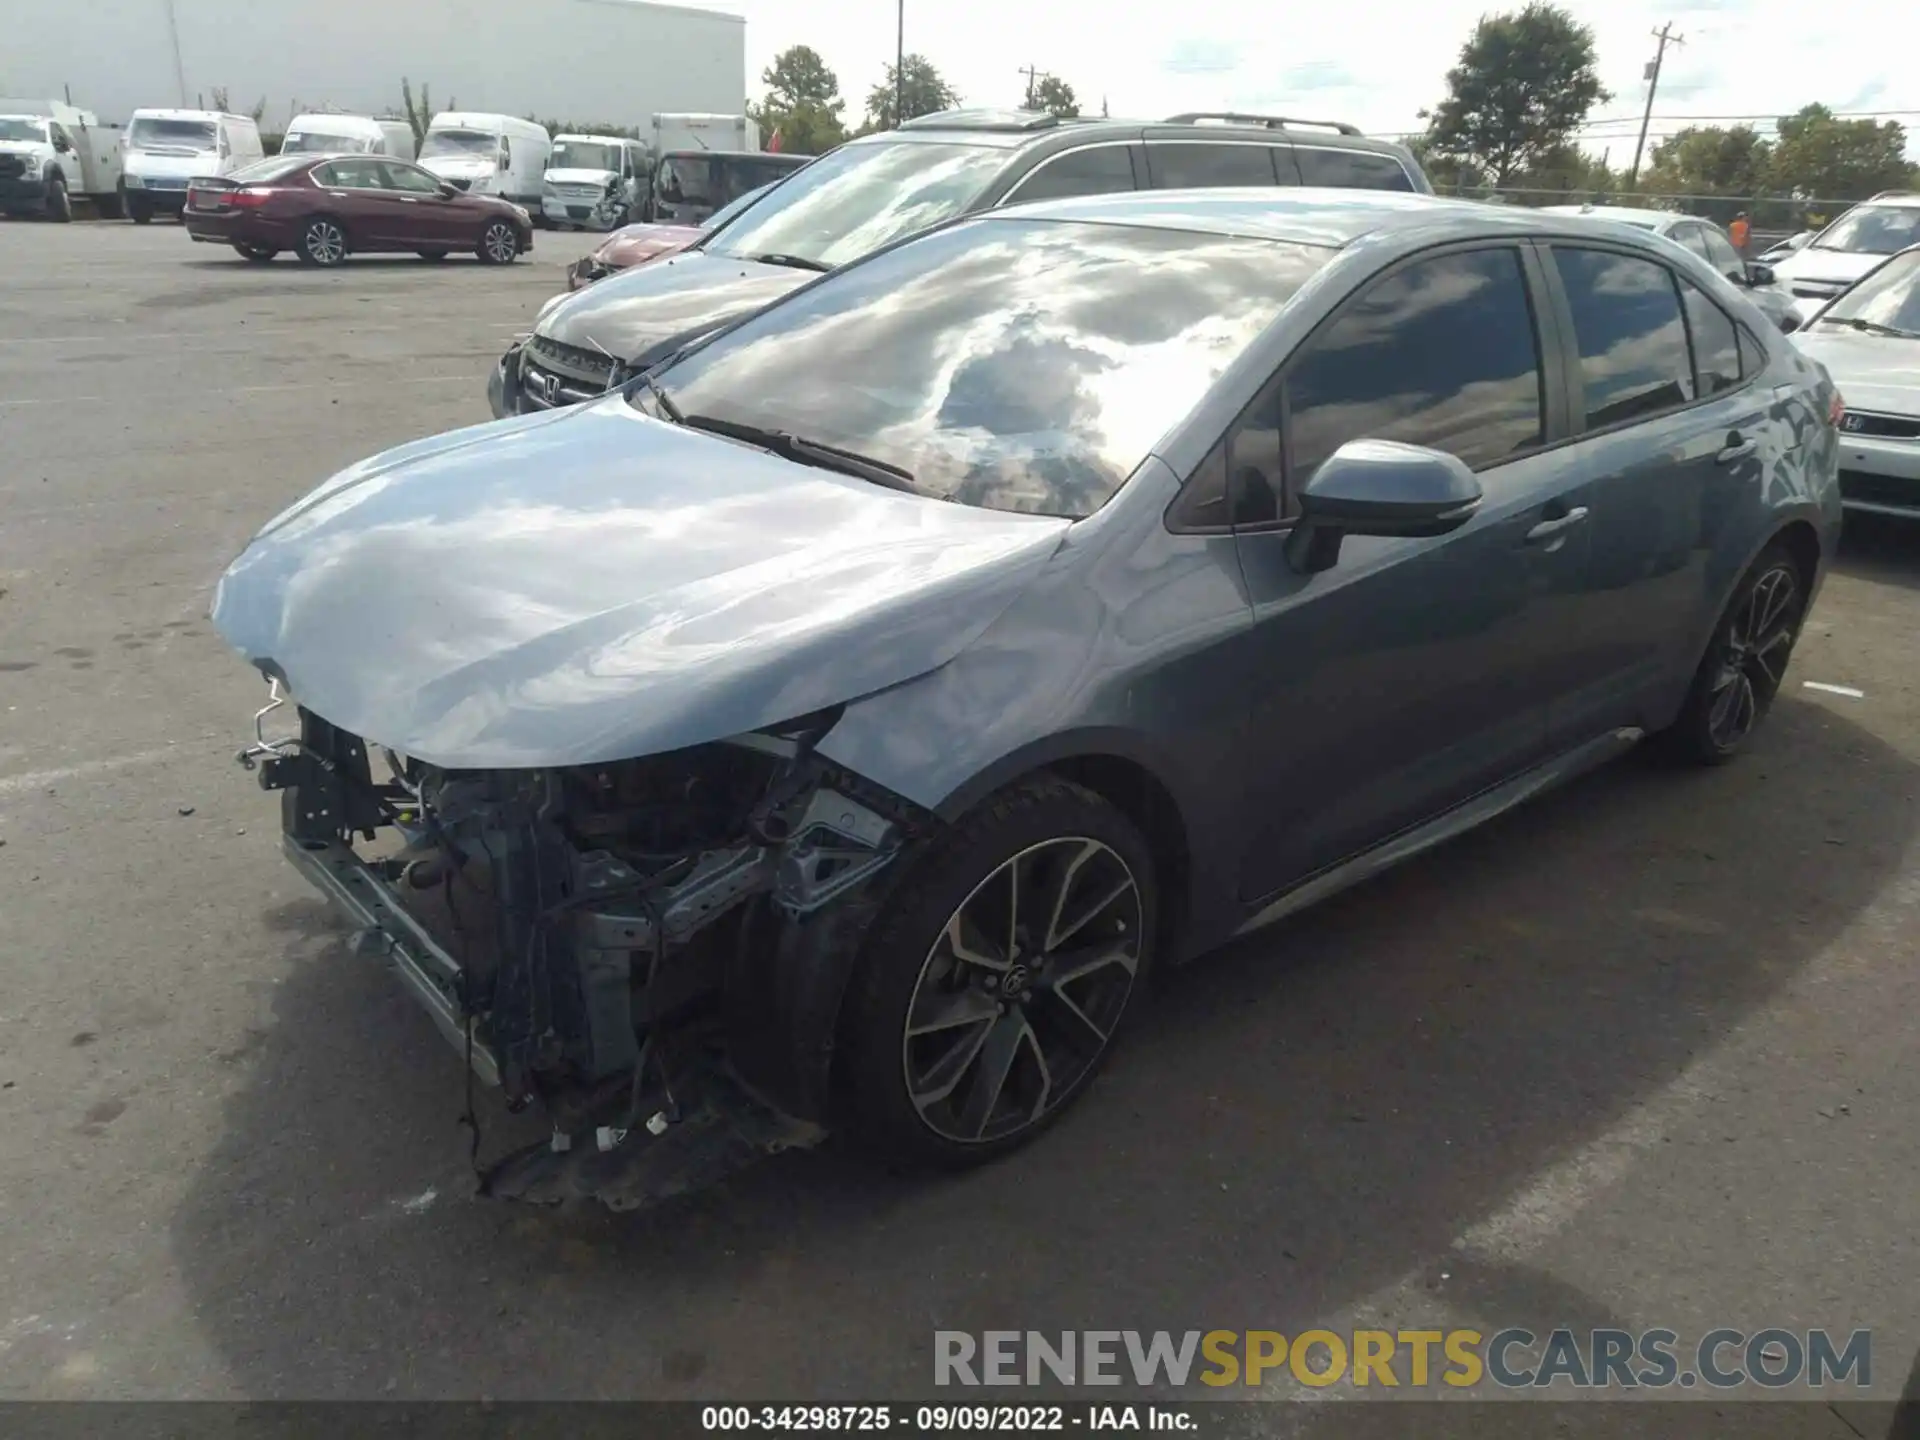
[(1716, 343), (1010, 364), (1441, 353), (1721, 254), (1753, 359), (1690, 236), (1099, 170), (1177, 165), (406, 177), (352, 175), (1888, 297), (1633, 346), (861, 196), (1876, 229), (1350, 169)]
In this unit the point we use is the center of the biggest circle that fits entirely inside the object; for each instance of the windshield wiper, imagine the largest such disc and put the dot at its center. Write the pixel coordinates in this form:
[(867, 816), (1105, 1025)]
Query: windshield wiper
[(668, 410), (792, 262), (1874, 327), (808, 452)]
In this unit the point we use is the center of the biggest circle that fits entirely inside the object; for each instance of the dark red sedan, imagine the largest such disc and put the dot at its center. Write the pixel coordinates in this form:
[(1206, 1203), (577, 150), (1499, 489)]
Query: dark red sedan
[(327, 207)]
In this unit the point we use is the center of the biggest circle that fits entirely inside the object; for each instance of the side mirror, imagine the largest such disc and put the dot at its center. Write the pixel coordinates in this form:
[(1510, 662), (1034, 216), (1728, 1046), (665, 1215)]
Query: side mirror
[(62, 144), (1379, 487), (1758, 274), (447, 189)]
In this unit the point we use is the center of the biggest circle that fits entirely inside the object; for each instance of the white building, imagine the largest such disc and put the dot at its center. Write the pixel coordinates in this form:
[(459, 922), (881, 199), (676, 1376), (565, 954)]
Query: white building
[(613, 61)]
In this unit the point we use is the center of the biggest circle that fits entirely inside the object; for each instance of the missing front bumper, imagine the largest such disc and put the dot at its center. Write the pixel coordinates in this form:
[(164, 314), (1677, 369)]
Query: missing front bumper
[(426, 971)]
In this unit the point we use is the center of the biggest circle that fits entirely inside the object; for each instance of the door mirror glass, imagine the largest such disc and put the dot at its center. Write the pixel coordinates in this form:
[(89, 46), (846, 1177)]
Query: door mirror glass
[(1380, 487), (1758, 274), (447, 189)]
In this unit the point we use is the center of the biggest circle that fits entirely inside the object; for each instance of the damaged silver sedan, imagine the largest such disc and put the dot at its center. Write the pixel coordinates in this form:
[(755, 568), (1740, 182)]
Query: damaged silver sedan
[(833, 727)]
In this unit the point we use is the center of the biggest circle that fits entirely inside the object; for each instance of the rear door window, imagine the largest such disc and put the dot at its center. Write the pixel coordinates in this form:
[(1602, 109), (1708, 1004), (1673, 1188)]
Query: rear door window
[(1350, 169), (1716, 343), (1183, 164), (1721, 254), (1096, 170), (1442, 353), (352, 175), (1634, 359)]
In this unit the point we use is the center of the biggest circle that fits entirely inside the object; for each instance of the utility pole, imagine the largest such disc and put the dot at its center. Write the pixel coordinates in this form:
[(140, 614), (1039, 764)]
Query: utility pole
[(1666, 37), (900, 66), (1033, 75)]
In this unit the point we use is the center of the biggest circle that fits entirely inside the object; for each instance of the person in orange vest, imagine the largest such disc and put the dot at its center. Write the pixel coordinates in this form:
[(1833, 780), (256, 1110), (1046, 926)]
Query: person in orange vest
[(1740, 230)]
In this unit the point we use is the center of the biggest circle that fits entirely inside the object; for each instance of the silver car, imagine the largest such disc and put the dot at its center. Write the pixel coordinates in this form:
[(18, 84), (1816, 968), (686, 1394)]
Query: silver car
[(1710, 243), (1869, 340), (836, 725)]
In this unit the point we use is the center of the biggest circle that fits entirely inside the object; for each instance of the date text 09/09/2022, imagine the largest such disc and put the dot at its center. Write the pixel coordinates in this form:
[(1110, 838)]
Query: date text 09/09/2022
[(935, 1419)]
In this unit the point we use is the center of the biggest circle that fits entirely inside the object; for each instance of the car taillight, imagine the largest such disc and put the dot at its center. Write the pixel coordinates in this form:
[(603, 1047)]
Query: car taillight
[(1836, 409)]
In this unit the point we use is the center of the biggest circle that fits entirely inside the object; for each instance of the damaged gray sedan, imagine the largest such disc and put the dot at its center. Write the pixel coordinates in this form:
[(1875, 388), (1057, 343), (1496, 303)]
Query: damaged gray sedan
[(833, 728)]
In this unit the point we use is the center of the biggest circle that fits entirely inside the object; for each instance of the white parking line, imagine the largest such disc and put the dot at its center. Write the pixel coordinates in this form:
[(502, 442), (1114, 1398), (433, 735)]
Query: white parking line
[(39, 779)]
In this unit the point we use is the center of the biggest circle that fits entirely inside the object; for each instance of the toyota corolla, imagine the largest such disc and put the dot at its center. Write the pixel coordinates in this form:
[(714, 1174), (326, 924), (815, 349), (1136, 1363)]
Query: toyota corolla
[(835, 727)]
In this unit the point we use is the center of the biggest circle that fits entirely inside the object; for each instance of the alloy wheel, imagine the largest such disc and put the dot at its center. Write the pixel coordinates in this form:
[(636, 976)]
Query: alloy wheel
[(1753, 657), (1020, 994), (326, 242), (501, 242)]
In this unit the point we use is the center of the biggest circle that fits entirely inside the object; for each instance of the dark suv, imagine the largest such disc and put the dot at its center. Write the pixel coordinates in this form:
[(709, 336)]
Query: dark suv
[(879, 188)]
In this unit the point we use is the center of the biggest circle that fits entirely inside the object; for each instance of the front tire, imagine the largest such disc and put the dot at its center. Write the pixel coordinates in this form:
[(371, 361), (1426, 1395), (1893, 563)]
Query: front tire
[(995, 981), (1745, 662), (59, 203), (139, 210), (323, 241), (499, 244)]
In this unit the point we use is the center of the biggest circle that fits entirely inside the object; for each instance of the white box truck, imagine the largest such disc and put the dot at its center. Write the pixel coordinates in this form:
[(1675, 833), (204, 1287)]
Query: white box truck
[(703, 132), (52, 154)]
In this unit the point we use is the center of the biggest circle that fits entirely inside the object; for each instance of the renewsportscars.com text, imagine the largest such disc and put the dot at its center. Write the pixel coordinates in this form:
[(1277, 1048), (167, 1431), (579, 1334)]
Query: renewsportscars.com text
[(1512, 1358)]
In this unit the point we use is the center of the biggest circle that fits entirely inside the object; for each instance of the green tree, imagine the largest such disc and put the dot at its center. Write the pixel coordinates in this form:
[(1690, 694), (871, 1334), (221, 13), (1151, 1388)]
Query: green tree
[(923, 91), (1056, 97), (1563, 175), (1707, 160), (1818, 156), (802, 103), (1525, 82)]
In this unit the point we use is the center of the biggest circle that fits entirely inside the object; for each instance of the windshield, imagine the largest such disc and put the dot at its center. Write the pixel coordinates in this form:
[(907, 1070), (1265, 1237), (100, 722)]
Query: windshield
[(1024, 365), (684, 180), (460, 142), (318, 142), (271, 168), (584, 155), (1873, 230), (859, 197), (150, 133), (1888, 298), (17, 129)]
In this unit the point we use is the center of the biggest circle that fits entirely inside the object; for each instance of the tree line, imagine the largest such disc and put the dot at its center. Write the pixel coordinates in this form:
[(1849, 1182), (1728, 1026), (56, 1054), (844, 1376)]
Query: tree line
[(1516, 104)]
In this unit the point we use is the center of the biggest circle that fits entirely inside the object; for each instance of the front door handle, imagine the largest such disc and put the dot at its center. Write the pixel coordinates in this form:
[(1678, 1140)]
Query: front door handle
[(1560, 524), (1736, 448)]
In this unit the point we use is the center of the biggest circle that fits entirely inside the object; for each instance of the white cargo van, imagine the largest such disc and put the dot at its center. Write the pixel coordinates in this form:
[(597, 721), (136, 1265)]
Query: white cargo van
[(324, 133), (488, 154), (52, 154), (166, 150), (592, 180)]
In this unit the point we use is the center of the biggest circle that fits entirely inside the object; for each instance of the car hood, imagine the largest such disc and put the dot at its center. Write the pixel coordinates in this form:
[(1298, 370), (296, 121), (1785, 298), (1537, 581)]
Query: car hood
[(171, 167), (592, 584), (638, 311), (1832, 267), (459, 167), (1874, 372), (631, 244), (578, 177), (33, 149)]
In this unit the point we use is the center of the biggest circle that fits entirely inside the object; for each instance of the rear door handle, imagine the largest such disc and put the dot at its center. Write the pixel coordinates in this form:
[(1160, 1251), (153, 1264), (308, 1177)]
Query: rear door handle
[(1547, 529), (1736, 448)]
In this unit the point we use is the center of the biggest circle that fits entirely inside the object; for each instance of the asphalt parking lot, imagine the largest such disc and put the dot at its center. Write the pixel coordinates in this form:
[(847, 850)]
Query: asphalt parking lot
[(1640, 1055)]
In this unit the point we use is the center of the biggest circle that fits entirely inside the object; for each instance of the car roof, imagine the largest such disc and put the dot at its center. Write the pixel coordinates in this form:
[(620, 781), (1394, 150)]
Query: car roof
[(1903, 198), (692, 153), (1302, 214), (1024, 129), (1628, 214)]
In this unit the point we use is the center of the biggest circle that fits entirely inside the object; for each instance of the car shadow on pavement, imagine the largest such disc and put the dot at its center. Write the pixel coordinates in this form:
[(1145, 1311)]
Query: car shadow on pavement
[(1297, 1122), (1881, 548)]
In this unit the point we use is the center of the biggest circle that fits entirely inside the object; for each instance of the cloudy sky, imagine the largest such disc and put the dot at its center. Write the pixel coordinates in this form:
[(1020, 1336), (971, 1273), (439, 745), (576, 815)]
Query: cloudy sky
[(1373, 62)]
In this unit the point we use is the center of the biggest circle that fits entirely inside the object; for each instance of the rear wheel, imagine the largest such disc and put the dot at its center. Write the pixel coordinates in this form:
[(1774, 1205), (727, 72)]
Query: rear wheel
[(322, 242), (1744, 664), (995, 980), (499, 243), (59, 203), (431, 254), (257, 253)]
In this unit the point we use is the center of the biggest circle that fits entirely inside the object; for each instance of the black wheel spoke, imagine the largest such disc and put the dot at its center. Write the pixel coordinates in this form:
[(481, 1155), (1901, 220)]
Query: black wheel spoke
[(949, 1010), (1004, 1040), (946, 1073)]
